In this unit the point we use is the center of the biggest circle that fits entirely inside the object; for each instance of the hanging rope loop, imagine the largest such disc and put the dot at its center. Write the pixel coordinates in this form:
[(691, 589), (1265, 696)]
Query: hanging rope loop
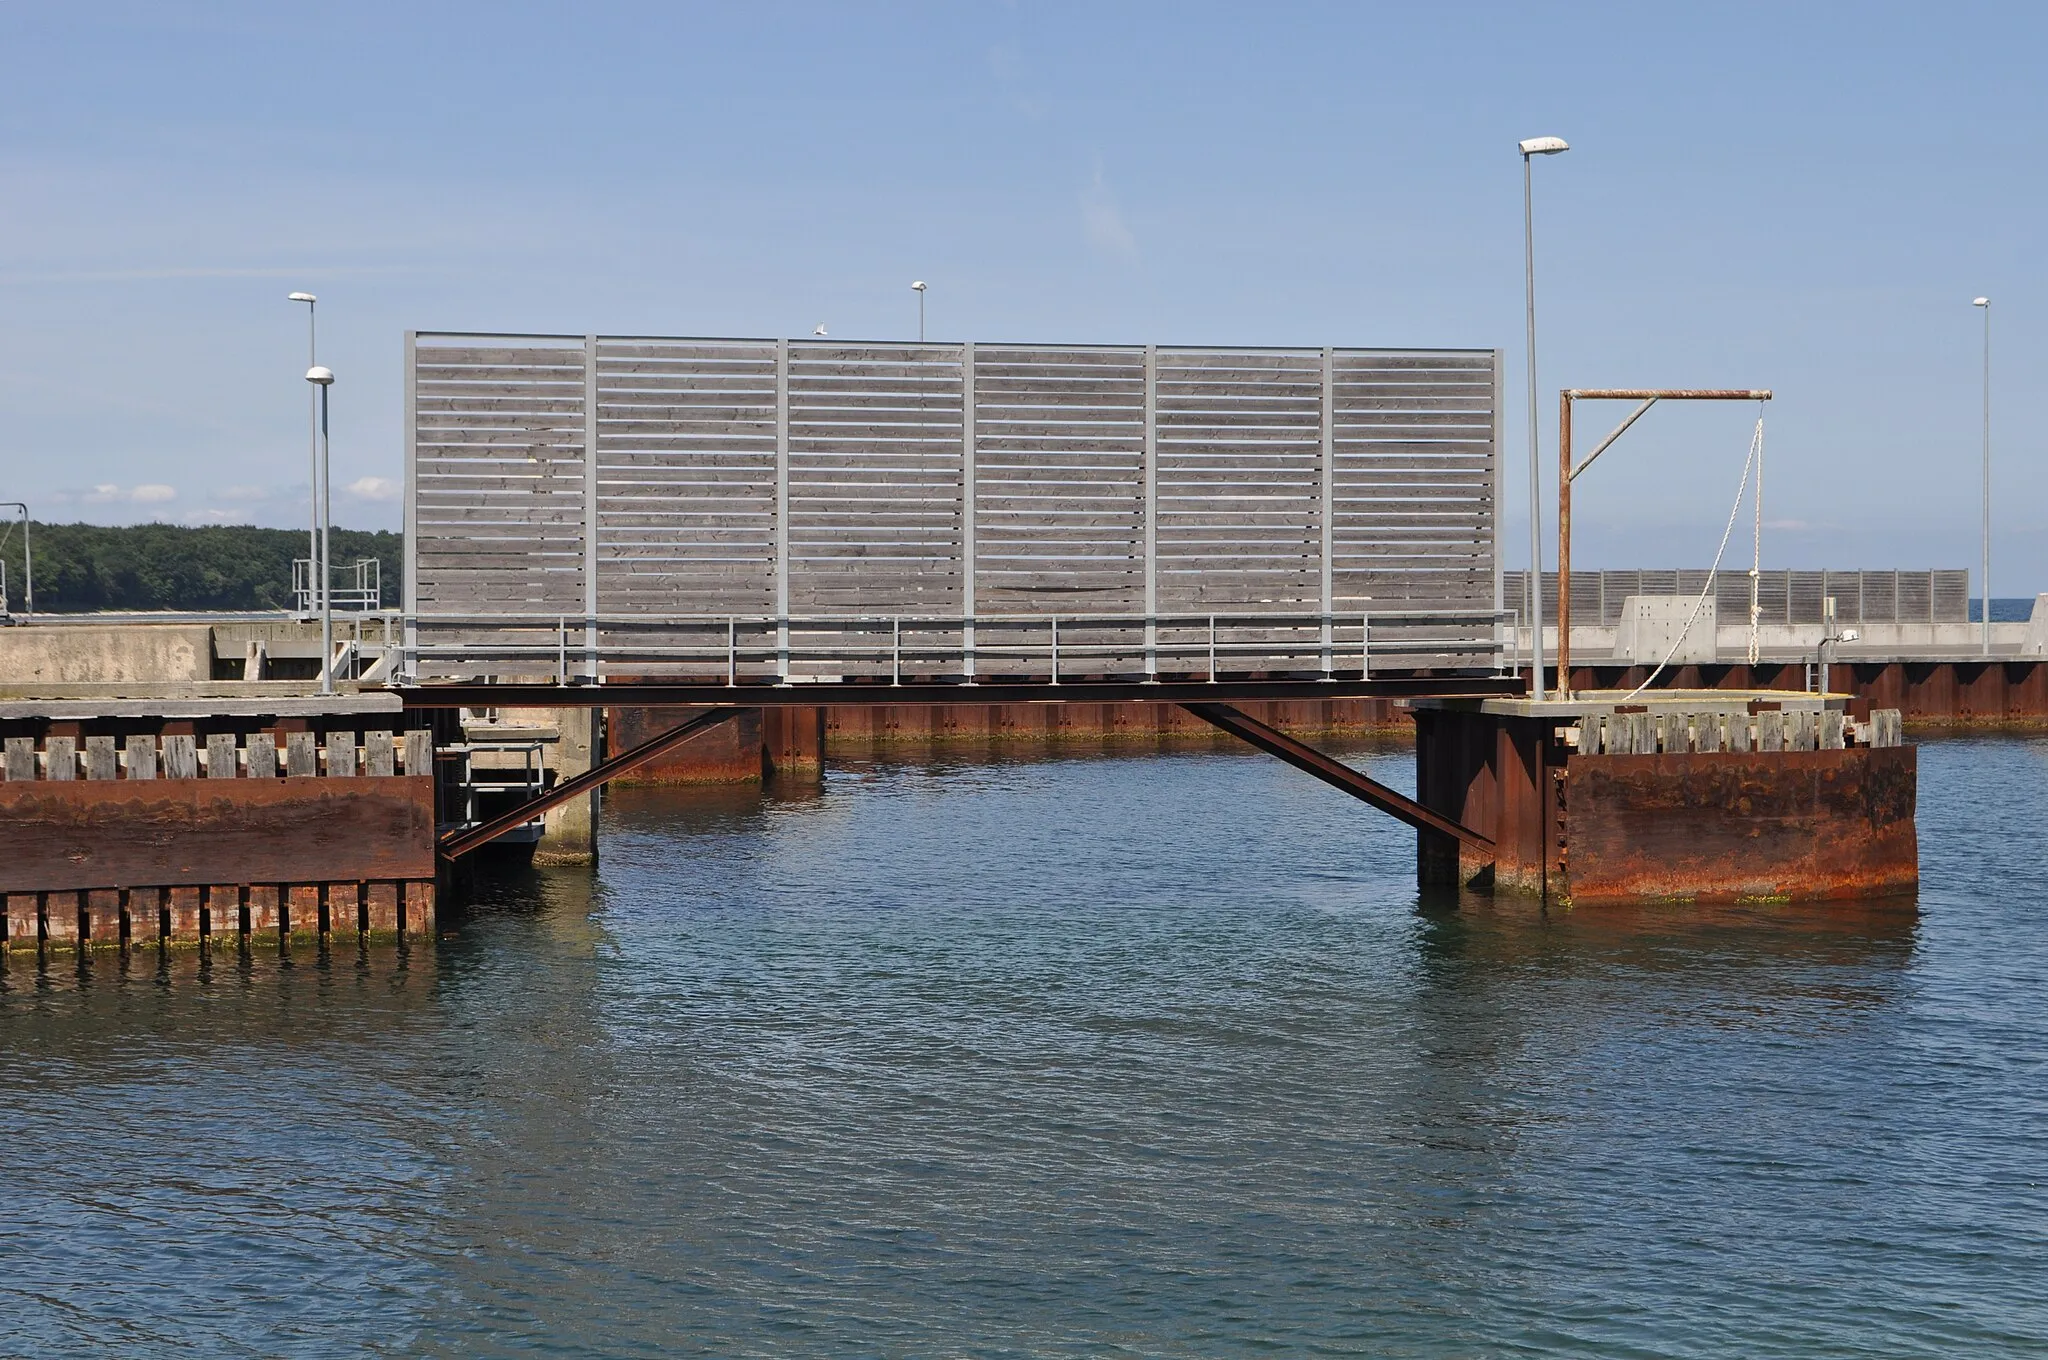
[(1754, 460)]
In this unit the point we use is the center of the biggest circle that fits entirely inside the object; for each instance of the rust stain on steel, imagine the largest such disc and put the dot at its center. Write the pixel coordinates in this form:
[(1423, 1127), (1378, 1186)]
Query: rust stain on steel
[(63, 836), (1793, 825)]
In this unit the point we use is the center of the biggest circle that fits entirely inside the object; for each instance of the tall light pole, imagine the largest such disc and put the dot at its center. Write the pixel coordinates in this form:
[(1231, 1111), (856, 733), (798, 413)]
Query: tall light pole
[(322, 379), (918, 288), (28, 560), (1534, 146), (1985, 303), (312, 447)]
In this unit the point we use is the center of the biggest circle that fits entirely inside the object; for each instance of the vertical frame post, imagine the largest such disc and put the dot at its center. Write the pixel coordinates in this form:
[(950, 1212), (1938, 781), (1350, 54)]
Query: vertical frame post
[(409, 598), (590, 414), (1329, 508), (782, 511), (1499, 500), (1151, 512), (967, 514)]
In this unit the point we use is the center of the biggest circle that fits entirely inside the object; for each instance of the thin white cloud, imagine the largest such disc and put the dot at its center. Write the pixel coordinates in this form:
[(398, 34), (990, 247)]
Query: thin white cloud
[(373, 489), (111, 493), (245, 493), (1104, 221)]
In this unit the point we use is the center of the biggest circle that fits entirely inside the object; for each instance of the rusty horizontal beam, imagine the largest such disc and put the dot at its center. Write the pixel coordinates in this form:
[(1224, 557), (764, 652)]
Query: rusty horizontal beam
[(458, 843), (685, 695), (1334, 772), (1668, 393)]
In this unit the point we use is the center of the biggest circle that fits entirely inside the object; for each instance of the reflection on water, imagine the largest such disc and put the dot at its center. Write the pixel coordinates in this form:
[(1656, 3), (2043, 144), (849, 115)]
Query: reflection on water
[(1059, 1055)]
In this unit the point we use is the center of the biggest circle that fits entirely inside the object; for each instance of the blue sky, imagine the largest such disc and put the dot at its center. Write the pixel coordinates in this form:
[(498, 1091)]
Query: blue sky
[(1799, 197)]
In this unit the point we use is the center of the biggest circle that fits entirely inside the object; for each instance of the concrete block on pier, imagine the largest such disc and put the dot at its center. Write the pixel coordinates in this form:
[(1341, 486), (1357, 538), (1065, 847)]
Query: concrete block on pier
[(2035, 643), (1652, 625)]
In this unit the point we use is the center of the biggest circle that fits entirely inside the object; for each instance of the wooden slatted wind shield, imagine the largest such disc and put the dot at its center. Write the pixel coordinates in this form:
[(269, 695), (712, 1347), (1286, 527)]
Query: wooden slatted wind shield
[(759, 510)]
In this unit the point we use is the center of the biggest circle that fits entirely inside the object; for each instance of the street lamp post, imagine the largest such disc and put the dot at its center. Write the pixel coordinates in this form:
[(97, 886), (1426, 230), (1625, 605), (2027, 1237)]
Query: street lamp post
[(918, 288), (1534, 146), (28, 561), (322, 379), (312, 449), (1985, 303)]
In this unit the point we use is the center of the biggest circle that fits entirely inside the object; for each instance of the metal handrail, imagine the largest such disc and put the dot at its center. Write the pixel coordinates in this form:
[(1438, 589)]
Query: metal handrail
[(775, 646)]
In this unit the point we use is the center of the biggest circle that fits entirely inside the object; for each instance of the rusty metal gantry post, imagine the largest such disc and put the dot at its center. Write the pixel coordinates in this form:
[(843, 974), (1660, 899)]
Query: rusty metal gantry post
[(1647, 397)]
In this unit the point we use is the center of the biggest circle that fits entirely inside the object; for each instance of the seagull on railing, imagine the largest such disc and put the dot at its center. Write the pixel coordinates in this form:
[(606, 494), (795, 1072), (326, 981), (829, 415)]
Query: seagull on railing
[(820, 330)]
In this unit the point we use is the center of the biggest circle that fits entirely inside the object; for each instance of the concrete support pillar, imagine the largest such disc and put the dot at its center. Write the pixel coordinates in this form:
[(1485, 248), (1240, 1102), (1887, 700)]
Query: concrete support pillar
[(569, 830)]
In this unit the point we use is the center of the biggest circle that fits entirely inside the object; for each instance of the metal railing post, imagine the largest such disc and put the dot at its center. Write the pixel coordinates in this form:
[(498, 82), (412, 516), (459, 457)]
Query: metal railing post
[(782, 510), (967, 508), (896, 652), (1212, 649), (590, 508), (1055, 649), (1365, 646), (1326, 493), (1151, 480), (732, 651)]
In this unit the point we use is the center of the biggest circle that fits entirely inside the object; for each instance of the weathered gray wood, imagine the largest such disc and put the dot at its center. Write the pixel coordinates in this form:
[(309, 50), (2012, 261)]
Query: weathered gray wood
[(262, 754), (1770, 730), (141, 762), (419, 751), (1803, 731), (379, 756), (301, 755), (1831, 723), (1257, 486), (101, 759), (341, 755), (60, 758), (221, 757), (21, 759), (181, 757)]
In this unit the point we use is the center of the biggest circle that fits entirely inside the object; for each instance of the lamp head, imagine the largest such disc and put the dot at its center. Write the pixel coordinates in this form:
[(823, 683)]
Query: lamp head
[(1980, 302), (320, 375), (302, 297), (1543, 146), (918, 286)]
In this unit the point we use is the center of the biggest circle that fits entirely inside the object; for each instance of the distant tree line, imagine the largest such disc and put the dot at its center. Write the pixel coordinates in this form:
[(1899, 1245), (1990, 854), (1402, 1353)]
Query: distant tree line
[(81, 568)]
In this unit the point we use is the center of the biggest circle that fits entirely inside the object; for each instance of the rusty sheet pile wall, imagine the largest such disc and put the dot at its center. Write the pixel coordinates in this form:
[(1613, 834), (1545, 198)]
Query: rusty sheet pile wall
[(138, 839), (749, 510), (1778, 798)]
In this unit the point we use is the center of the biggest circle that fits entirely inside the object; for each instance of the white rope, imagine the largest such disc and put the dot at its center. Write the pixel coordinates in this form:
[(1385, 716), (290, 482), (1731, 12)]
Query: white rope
[(1756, 564), (1755, 458)]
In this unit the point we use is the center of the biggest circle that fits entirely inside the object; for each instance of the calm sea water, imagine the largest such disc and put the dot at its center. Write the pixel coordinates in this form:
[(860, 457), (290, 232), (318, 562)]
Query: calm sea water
[(1154, 1055)]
